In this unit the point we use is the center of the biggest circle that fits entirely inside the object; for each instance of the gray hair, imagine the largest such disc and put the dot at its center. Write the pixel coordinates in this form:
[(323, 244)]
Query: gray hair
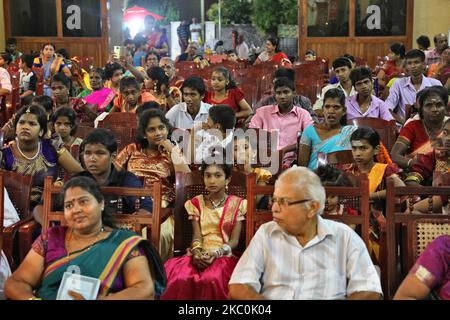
[(170, 61), (306, 182)]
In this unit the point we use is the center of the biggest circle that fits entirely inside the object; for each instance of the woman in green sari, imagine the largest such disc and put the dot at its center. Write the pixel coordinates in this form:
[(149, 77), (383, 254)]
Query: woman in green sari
[(128, 267)]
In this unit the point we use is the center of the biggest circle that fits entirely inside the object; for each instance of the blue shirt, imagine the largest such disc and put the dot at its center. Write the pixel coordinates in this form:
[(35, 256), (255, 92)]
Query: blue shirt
[(137, 59)]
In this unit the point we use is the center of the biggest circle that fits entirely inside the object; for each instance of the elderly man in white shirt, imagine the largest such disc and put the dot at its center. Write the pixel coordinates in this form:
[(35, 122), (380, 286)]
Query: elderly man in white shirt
[(193, 110), (299, 255)]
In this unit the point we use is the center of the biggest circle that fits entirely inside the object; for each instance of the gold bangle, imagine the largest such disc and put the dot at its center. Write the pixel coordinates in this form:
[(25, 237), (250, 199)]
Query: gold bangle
[(197, 247), (413, 178), (196, 242), (409, 163), (35, 298)]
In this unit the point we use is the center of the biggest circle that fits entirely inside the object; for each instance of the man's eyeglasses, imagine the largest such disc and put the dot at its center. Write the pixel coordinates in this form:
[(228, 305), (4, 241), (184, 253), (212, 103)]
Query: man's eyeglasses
[(283, 202)]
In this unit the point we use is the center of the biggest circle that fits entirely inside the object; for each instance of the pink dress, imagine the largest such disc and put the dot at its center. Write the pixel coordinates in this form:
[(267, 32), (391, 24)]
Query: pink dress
[(186, 282)]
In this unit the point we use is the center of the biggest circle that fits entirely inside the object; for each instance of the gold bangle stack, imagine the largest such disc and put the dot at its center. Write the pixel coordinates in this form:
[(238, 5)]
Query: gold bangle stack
[(197, 245), (414, 178)]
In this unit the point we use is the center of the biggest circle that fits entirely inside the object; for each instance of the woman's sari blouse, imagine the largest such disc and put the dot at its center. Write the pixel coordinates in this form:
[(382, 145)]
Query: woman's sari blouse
[(338, 142), (414, 135), (104, 260), (278, 58), (233, 98), (433, 267), (46, 164), (151, 169), (212, 221)]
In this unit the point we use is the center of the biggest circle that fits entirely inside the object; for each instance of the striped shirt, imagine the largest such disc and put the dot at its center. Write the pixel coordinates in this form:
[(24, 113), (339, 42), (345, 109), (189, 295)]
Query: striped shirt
[(432, 56), (333, 265)]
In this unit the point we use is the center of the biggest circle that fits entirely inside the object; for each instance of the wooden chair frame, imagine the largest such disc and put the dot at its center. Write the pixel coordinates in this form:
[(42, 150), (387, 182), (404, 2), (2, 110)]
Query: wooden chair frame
[(395, 216), (386, 129), (185, 181), (361, 191), (256, 217), (334, 158), (135, 220), (19, 190)]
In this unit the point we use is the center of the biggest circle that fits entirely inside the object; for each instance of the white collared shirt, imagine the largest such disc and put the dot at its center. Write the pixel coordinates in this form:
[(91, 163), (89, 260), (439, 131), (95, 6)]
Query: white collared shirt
[(180, 118), (319, 103), (10, 213), (333, 265), (205, 141)]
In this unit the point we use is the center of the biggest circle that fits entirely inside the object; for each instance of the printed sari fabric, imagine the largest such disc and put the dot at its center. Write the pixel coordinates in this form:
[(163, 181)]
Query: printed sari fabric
[(101, 98), (185, 282), (433, 267), (46, 164), (132, 158), (339, 142), (104, 260)]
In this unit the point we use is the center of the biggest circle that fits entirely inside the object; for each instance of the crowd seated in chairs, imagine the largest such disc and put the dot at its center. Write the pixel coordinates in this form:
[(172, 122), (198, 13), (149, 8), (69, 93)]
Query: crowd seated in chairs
[(369, 157)]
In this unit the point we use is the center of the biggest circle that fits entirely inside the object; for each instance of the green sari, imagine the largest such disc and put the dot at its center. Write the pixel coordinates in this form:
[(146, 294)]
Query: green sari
[(104, 260)]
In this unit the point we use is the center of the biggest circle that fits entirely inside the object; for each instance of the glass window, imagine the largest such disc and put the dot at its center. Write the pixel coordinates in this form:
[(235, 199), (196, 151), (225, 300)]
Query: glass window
[(380, 18), (81, 18), (328, 18), (33, 18)]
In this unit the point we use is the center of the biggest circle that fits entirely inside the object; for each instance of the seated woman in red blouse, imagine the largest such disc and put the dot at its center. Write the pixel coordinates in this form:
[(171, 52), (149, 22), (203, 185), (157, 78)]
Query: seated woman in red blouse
[(273, 53), (430, 170), (225, 91), (418, 136)]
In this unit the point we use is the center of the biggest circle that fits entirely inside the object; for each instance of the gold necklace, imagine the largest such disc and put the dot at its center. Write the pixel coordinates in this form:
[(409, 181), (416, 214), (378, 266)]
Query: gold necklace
[(219, 204), (96, 239)]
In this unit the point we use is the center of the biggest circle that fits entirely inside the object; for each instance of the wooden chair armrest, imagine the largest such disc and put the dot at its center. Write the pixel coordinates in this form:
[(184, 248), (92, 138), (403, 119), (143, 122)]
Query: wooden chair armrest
[(26, 232), (9, 236), (289, 148)]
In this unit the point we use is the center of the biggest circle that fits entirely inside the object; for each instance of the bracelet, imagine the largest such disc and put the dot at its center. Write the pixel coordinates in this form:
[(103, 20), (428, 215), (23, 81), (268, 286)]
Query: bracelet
[(219, 253), (35, 298), (197, 245), (409, 163), (226, 248), (413, 178)]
